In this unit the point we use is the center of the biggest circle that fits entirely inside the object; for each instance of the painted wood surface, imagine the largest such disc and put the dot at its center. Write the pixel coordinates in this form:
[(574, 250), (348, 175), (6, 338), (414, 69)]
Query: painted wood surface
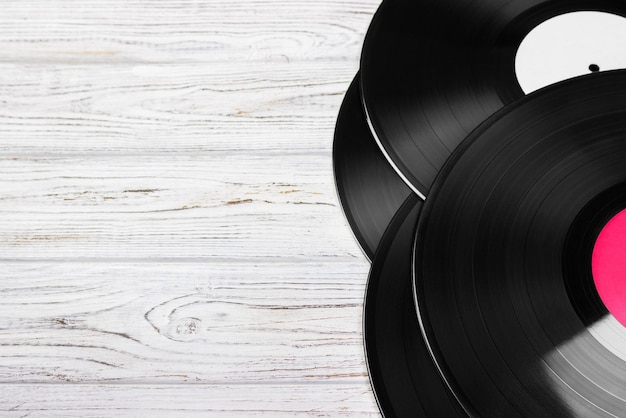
[(195, 400), (170, 237)]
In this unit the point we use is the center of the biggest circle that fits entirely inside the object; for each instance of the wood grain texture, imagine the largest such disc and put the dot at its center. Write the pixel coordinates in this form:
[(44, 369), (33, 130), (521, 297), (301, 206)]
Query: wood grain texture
[(170, 109), (195, 400), (182, 322), (168, 31), (170, 235), (238, 206)]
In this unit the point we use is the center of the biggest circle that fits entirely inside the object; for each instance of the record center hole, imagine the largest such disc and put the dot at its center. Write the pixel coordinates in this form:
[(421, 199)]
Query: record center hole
[(594, 68), (608, 266)]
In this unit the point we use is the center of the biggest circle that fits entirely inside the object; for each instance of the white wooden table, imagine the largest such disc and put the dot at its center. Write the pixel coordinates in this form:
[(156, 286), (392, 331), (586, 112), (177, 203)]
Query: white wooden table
[(170, 239)]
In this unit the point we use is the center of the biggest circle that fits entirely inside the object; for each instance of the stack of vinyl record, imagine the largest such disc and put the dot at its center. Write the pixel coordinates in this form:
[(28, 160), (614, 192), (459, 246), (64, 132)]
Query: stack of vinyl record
[(480, 159)]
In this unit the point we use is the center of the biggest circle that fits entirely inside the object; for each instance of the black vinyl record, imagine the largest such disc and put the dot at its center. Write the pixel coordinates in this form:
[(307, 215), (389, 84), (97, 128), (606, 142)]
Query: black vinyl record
[(370, 190), (502, 274), (404, 377), (433, 70)]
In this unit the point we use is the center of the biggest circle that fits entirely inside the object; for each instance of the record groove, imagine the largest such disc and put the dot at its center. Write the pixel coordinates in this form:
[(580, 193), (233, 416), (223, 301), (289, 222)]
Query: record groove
[(403, 375), (433, 70), (491, 255), (370, 191)]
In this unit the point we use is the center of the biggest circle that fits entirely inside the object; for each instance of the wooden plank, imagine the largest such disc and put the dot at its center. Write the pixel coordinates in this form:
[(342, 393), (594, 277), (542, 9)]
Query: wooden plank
[(170, 238), (182, 322), (170, 108), (236, 206), (182, 31), (269, 399)]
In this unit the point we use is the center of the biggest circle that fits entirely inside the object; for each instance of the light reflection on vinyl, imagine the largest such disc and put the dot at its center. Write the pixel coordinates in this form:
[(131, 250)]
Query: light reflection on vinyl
[(404, 377), (370, 191), (503, 256), (434, 70)]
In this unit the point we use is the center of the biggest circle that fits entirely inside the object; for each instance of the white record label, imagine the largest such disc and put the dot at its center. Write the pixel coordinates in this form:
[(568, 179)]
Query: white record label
[(570, 45)]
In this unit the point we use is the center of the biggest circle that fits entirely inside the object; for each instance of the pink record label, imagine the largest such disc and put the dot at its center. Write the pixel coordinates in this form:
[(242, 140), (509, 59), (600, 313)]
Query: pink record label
[(608, 265)]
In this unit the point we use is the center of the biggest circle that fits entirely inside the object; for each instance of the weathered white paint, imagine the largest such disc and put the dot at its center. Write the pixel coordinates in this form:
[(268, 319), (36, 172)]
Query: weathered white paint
[(188, 31), (216, 322), (238, 205), (170, 238), (171, 109), (191, 400)]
